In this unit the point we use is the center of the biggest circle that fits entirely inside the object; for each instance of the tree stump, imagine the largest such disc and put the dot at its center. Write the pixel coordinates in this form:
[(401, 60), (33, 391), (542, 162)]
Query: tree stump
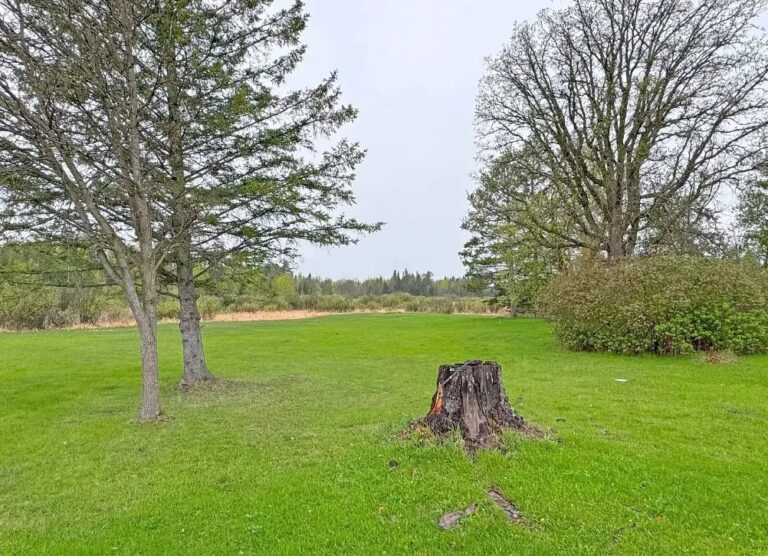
[(471, 396)]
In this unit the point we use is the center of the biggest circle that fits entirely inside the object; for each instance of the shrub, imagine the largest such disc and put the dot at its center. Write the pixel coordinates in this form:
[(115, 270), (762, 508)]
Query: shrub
[(114, 310), (334, 303), (666, 305), (23, 306), (244, 304), (94, 302), (208, 306), (168, 308)]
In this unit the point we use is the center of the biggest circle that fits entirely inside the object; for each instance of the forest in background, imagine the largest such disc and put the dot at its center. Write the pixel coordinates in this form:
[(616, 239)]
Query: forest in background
[(44, 286)]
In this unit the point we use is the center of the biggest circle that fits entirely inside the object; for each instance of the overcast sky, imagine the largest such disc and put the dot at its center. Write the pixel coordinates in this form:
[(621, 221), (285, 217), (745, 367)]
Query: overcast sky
[(411, 67)]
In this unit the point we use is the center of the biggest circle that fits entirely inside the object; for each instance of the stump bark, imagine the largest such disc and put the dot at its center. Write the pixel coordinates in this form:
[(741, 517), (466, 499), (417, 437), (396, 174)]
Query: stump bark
[(471, 397)]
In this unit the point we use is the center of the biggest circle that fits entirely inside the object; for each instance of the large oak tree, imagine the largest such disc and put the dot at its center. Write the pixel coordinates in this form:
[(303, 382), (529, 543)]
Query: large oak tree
[(626, 117)]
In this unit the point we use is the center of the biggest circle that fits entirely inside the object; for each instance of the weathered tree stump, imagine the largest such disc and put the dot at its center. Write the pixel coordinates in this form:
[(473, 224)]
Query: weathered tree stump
[(471, 396)]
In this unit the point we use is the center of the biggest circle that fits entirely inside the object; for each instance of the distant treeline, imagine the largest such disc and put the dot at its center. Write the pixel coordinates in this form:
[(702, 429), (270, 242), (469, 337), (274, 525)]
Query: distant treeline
[(406, 282), (43, 286)]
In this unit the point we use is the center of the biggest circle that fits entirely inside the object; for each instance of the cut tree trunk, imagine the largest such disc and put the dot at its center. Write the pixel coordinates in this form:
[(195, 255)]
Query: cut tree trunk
[(195, 368), (470, 396)]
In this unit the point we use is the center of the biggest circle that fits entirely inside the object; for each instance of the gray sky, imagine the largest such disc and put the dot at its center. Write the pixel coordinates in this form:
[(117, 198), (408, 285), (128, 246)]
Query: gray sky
[(411, 67)]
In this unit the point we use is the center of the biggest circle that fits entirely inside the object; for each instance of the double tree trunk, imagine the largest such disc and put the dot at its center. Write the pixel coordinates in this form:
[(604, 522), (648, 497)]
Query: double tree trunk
[(195, 368)]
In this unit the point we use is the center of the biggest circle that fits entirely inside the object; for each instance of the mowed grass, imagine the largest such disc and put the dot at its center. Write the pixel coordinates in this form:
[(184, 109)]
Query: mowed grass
[(293, 458)]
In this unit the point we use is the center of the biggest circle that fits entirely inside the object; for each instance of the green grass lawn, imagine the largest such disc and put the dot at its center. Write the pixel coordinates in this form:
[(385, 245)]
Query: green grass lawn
[(294, 459)]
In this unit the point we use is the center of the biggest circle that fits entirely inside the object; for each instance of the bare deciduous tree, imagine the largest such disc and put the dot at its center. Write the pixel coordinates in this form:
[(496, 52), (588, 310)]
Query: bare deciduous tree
[(628, 115)]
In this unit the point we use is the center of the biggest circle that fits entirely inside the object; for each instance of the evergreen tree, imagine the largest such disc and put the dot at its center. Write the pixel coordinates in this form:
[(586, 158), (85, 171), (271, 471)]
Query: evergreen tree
[(505, 254), (74, 166), (229, 158), (237, 152)]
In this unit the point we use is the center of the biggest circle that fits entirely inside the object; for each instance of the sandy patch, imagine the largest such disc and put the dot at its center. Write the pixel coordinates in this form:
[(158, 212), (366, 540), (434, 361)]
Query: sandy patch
[(269, 315)]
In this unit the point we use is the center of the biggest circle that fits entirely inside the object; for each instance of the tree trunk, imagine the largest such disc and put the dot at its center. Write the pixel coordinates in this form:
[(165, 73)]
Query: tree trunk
[(145, 314), (140, 198), (471, 397), (150, 383), (615, 247), (195, 368)]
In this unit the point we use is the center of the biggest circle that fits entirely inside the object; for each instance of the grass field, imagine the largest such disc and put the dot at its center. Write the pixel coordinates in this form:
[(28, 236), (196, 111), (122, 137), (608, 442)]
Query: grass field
[(294, 457)]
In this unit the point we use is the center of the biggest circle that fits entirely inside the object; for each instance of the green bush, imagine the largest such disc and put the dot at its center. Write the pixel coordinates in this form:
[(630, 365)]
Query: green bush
[(95, 302), (209, 306), (23, 306), (333, 303), (668, 305), (168, 308), (114, 310)]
